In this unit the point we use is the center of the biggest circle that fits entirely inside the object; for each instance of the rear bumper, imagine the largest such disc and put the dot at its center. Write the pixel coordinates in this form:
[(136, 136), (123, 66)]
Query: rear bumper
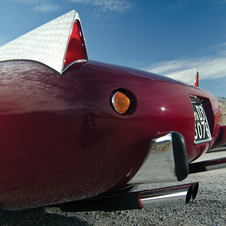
[(166, 160)]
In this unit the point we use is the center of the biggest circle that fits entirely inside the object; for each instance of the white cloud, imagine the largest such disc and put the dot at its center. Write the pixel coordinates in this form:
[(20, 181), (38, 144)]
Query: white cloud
[(107, 5), (212, 66), (46, 7), (209, 68), (28, 2), (103, 5), (184, 3), (42, 6), (179, 4)]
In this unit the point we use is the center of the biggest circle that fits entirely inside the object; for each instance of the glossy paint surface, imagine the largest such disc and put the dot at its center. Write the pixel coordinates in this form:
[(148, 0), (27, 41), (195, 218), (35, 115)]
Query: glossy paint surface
[(61, 140)]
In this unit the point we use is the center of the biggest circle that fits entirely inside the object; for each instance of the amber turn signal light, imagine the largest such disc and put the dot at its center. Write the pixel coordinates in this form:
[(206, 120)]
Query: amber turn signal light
[(120, 102)]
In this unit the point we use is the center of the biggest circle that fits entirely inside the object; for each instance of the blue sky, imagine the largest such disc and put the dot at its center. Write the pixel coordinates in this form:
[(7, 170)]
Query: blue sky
[(160, 36)]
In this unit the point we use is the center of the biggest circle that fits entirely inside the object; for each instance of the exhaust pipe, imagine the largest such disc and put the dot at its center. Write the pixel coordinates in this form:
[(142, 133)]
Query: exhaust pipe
[(195, 190), (174, 195), (207, 165), (177, 195)]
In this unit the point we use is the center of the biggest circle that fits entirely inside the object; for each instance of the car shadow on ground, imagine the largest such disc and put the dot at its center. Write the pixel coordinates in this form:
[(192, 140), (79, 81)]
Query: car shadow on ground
[(37, 216)]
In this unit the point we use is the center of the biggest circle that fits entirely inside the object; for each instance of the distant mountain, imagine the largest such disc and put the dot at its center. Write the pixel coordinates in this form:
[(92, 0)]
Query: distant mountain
[(222, 104), (223, 99)]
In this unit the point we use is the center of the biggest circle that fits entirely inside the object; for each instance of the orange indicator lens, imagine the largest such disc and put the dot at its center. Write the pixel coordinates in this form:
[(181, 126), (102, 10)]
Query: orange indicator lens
[(120, 102)]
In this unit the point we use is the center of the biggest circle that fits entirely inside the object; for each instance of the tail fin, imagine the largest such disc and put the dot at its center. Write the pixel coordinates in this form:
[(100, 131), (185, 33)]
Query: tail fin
[(197, 79), (57, 44), (189, 77)]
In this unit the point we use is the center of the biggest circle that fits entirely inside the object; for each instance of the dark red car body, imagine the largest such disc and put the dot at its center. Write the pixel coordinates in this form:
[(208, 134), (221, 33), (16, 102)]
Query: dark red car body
[(61, 139)]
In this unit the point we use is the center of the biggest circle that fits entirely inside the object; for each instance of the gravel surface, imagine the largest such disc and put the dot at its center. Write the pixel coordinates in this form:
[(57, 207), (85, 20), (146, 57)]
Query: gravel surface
[(209, 208)]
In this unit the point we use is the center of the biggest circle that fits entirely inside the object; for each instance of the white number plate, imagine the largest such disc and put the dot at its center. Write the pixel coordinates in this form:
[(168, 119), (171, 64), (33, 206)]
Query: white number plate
[(202, 129)]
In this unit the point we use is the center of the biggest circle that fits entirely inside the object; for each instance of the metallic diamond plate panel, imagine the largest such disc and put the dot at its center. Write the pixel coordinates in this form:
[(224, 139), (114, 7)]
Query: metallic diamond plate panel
[(187, 76), (46, 44)]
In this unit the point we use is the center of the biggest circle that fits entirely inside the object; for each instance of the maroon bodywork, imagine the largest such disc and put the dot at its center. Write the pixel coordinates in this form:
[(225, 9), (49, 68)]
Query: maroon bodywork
[(61, 140)]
